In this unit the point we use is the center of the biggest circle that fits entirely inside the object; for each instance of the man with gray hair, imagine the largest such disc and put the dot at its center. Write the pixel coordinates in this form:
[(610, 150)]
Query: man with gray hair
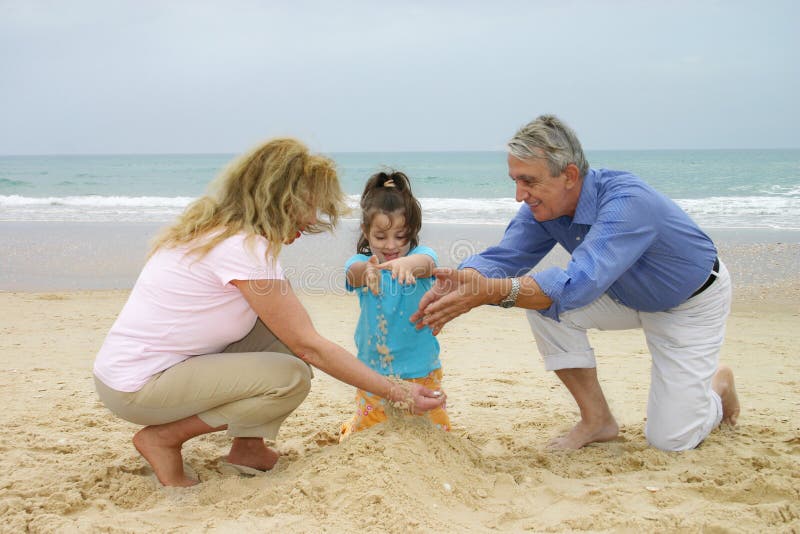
[(637, 261)]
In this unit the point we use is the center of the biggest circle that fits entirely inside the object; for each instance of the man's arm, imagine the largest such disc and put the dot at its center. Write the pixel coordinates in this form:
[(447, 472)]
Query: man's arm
[(525, 242), (457, 292)]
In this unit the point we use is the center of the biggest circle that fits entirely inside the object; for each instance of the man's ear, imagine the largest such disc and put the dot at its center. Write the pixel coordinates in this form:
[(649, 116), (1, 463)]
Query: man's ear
[(573, 175)]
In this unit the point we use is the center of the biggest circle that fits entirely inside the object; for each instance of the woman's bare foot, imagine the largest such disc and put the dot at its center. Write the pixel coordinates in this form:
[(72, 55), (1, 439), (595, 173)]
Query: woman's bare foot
[(252, 452), (725, 387), (163, 455), (584, 433)]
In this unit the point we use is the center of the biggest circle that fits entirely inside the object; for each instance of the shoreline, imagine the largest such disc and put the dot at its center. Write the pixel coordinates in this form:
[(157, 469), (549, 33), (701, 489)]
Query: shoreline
[(69, 256)]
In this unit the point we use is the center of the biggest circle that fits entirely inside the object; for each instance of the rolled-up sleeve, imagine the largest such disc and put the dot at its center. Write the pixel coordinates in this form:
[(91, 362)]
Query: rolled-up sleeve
[(524, 244), (623, 230)]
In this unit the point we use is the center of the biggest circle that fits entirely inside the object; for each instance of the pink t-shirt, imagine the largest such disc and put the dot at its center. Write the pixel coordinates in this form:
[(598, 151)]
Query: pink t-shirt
[(182, 307)]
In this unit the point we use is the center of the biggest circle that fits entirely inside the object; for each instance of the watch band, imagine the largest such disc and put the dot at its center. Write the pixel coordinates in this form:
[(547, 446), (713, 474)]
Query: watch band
[(511, 298)]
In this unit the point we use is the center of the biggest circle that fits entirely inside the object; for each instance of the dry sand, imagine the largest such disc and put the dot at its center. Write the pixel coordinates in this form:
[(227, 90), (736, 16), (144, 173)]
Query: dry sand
[(67, 464)]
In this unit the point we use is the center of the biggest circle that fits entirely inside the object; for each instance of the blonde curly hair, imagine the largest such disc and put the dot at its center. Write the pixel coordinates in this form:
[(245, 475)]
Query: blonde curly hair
[(272, 191)]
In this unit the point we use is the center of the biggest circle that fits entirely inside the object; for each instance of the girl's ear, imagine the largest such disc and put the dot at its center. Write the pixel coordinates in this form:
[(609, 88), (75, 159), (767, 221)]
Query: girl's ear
[(364, 230)]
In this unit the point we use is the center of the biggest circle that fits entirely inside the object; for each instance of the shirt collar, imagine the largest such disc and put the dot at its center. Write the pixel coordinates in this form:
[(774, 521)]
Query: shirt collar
[(586, 210)]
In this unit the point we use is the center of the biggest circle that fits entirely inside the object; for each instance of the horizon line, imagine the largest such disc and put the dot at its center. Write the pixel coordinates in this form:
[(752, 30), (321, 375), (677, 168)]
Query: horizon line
[(452, 151)]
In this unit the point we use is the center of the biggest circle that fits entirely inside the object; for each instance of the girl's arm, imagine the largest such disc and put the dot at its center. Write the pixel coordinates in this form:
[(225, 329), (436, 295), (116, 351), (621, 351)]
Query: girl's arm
[(360, 271), (407, 269), (279, 308)]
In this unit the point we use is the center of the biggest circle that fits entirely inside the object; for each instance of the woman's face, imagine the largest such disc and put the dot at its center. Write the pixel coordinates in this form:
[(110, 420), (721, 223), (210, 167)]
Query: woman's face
[(388, 236), (304, 221)]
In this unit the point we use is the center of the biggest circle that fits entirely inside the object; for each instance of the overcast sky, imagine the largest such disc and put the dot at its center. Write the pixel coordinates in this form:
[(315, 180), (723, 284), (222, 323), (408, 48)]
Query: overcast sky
[(107, 76)]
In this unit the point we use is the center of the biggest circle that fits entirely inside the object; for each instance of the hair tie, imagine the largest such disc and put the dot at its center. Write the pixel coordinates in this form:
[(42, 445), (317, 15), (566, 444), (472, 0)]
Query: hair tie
[(389, 183)]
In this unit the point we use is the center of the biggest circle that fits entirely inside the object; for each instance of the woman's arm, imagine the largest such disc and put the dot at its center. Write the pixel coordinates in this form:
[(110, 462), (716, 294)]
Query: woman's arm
[(280, 309)]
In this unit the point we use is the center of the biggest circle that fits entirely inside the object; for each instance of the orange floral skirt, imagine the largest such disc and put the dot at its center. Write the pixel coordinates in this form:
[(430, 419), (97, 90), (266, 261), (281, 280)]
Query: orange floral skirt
[(370, 408)]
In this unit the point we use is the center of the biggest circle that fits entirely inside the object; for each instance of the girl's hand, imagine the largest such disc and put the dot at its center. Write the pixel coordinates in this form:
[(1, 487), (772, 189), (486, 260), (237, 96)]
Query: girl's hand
[(372, 275), (402, 269)]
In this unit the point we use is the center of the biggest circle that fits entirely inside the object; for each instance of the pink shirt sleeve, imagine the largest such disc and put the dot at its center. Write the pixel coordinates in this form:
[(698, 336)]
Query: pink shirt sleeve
[(238, 258)]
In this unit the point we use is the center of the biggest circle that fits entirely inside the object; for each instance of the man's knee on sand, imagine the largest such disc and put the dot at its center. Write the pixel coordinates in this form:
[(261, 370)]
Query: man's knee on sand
[(672, 437)]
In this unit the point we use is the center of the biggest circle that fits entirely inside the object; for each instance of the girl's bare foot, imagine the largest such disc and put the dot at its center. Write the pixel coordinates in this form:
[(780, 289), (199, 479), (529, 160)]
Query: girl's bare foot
[(725, 387), (252, 452), (584, 433), (163, 455)]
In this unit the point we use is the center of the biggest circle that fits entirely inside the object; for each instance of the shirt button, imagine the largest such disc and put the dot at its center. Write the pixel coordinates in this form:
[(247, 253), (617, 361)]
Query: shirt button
[(578, 238)]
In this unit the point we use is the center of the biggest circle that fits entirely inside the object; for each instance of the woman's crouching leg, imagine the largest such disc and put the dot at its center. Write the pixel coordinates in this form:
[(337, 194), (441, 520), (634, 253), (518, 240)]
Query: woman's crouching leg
[(265, 387), (250, 392)]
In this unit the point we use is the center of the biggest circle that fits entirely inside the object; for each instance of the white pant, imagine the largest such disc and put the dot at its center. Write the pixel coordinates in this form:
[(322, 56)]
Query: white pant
[(684, 342)]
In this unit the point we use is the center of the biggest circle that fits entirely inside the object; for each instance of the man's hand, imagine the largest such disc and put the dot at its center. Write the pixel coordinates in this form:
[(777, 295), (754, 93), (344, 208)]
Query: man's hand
[(454, 293)]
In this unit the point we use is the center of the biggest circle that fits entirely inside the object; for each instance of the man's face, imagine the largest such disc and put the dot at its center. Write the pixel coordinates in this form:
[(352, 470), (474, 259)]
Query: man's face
[(548, 197)]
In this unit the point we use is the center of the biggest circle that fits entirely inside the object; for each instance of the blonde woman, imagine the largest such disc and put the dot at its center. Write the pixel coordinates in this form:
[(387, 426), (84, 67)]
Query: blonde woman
[(212, 336)]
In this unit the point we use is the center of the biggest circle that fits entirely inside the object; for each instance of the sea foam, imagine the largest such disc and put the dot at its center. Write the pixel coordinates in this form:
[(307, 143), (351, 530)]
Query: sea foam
[(779, 212)]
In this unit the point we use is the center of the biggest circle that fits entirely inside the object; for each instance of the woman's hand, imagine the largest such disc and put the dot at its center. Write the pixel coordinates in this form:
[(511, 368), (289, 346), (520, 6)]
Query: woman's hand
[(416, 398)]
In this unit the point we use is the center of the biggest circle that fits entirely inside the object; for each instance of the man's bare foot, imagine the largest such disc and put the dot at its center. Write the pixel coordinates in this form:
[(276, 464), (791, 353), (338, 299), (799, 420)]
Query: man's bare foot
[(163, 455), (252, 452), (725, 387), (584, 433)]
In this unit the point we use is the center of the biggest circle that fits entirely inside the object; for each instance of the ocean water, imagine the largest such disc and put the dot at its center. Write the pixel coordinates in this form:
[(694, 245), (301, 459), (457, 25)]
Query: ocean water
[(718, 188)]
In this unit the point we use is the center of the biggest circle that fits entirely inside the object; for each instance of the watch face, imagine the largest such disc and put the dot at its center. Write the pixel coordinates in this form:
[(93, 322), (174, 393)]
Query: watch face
[(511, 299)]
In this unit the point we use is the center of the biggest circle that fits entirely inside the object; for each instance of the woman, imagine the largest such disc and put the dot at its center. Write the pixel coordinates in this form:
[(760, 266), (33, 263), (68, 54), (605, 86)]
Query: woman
[(213, 337)]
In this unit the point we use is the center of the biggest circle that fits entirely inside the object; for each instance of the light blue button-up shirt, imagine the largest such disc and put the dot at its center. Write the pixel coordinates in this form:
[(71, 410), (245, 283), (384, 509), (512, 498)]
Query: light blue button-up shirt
[(626, 239)]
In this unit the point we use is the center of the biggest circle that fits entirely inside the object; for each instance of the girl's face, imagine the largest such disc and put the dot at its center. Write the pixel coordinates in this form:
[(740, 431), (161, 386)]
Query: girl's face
[(388, 236)]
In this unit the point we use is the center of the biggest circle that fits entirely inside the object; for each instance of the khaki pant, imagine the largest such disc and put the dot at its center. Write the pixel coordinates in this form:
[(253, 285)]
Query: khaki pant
[(251, 387)]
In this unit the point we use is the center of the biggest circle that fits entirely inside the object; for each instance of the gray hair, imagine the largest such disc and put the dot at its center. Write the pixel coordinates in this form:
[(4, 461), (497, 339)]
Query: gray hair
[(548, 138)]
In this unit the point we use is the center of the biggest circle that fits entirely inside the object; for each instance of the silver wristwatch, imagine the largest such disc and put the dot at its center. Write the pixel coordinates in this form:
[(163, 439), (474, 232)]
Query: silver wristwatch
[(511, 298)]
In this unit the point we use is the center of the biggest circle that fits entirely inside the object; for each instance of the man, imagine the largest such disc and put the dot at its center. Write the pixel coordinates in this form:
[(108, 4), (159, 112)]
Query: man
[(637, 261)]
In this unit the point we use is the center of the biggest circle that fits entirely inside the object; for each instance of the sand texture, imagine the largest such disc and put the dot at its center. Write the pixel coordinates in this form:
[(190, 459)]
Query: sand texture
[(67, 464)]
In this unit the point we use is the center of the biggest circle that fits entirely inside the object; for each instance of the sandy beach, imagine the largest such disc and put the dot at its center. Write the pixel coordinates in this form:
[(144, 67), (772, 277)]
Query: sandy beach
[(67, 464)]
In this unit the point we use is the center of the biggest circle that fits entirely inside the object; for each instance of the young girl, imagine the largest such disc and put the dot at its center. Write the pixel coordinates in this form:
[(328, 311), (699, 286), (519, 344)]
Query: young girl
[(390, 274)]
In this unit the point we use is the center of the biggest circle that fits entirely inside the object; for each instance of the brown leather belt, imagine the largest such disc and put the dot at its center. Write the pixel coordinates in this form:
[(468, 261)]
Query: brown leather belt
[(710, 279)]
